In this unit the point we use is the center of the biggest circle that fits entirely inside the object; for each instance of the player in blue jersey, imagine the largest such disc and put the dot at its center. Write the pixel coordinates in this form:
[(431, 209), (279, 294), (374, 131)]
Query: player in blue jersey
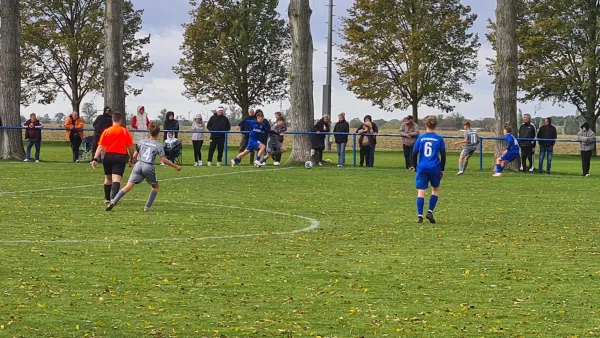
[(431, 151), (510, 154), (257, 129)]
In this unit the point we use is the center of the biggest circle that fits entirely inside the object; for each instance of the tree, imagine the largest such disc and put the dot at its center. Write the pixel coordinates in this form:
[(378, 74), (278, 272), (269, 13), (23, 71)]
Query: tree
[(114, 71), (235, 52), (11, 144), (234, 114), (162, 115), (88, 112), (45, 119), (301, 77), (402, 53), (59, 118), (62, 46), (505, 91), (355, 123)]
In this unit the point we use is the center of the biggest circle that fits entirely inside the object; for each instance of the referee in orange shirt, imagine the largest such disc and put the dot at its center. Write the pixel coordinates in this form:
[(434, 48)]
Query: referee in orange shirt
[(116, 143)]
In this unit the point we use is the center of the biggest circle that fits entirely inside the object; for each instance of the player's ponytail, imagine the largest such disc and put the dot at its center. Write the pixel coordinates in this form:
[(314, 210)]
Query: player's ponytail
[(154, 129), (431, 122)]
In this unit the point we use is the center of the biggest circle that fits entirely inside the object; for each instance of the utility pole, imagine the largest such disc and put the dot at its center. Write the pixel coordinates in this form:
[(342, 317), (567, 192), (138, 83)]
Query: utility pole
[(327, 86)]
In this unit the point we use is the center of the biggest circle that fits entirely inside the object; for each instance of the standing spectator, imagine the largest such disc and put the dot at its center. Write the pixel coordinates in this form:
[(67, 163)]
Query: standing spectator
[(409, 131), (587, 140), (33, 135), (74, 127), (244, 127), (140, 121), (216, 123), (366, 142), (318, 139), (374, 131), (282, 128), (341, 126), (101, 123), (198, 139), (548, 132), (529, 132), (171, 124)]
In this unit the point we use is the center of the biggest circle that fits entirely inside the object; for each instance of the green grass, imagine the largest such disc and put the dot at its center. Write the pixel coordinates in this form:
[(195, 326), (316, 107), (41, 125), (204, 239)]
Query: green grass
[(515, 256)]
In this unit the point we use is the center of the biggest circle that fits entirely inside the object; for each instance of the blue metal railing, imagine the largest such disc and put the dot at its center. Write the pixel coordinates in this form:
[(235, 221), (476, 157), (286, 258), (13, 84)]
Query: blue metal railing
[(354, 135)]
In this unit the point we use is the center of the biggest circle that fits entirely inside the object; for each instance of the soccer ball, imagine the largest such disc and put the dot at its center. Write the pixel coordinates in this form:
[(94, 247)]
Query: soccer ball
[(308, 164)]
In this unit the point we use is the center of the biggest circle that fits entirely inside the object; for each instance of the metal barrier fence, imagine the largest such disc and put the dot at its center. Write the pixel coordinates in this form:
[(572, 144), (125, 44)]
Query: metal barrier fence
[(353, 135)]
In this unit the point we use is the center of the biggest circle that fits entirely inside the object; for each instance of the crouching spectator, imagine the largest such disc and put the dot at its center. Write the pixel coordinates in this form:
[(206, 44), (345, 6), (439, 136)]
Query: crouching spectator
[(172, 147), (33, 135), (74, 127), (587, 140)]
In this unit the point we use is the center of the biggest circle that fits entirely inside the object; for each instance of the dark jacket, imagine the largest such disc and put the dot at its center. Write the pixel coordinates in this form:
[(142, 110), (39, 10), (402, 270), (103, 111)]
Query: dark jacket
[(548, 132), (341, 127), (218, 123), (375, 130), (33, 131), (527, 130), (102, 123), (244, 126), (171, 124), (318, 140), (264, 138)]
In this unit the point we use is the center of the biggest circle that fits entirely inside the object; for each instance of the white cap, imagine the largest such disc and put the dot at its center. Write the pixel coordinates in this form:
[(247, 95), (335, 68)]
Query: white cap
[(220, 108)]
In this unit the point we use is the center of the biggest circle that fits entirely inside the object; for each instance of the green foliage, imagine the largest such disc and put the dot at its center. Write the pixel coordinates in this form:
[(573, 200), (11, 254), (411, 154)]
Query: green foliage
[(62, 47), (59, 118), (558, 58), (88, 112), (402, 53), (235, 52), (355, 123)]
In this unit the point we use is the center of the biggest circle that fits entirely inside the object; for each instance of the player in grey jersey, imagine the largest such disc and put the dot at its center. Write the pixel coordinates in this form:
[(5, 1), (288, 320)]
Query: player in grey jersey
[(470, 142), (145, 169)]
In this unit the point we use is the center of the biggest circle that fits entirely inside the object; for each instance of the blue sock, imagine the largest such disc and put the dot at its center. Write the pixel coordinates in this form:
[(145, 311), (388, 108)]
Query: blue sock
[(236, 160), (258, 158), (420, 205), (432, 202), (498, 168)]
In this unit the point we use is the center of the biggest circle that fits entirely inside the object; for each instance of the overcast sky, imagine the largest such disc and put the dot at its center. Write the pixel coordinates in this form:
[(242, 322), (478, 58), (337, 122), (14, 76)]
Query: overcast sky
[(162, 88)]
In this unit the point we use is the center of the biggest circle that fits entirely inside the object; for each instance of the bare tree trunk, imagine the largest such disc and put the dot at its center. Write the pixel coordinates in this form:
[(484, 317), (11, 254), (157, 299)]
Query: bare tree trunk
[(505, 92), (11, 142), (114, 79), (301, 88)]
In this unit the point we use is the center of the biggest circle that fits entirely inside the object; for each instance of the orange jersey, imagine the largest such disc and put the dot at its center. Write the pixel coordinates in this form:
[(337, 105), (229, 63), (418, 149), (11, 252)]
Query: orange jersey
[(116, 139)]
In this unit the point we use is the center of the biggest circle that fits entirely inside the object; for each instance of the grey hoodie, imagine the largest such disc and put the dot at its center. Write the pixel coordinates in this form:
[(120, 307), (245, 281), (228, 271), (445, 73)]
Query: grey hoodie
[(586, 138), (409, 129)]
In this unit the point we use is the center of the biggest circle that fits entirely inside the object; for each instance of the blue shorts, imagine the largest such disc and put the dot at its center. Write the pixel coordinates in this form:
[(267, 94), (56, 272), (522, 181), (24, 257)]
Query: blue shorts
[(423, 179), (509, 157), (253, 145)]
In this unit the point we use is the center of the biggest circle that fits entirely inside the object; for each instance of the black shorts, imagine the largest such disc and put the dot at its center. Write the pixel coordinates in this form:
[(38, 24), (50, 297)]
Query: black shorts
[(114, 164)]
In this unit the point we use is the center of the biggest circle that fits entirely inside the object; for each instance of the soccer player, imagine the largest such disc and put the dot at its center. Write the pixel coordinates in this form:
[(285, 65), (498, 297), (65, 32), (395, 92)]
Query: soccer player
[(274, 146), (257, 128), (510, 154), (117, 143), (144, 169), (470, 142), (431, 151)]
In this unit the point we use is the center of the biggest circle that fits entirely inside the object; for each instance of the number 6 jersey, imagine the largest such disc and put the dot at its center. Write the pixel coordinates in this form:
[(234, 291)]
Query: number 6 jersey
[(428, 146)]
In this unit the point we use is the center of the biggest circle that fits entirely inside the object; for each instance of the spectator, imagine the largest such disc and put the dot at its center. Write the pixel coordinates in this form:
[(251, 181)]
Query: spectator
[(171, 124), (366, 142), (341, 140), (547, 131), (527, 131), (282, 129), (33, 135), (374, 131), (409, 131), (172, 147), (243, 127), (74, 127), (101, 123), (137, 123), (217, 124), (318, 139), (587, 142), (198, 139)]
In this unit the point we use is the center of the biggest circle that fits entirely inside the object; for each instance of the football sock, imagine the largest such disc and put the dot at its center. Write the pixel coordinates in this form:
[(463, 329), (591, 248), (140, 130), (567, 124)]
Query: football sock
[(107, 188), (236, 160), (151, 198), (116, 186), (465, 164), (258, 158), (432, 202), (420, 205), (118, 197), (460, 165), (498, 168)]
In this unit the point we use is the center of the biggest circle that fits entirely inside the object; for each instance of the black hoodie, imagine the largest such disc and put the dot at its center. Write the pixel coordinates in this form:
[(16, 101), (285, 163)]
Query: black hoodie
[(341, 127), (171, 124), (102, 123), (218, 123), (547, 132), (318, 140)]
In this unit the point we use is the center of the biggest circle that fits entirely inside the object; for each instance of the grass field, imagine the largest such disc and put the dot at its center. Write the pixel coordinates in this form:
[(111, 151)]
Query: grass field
[(291, 252)]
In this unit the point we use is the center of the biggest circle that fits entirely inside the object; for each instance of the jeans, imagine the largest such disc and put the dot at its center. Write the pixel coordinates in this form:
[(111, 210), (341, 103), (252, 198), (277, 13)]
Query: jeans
[(31, 143), (526, 156), (586, 157), (408, 152), (341, 149), (365, 155), (371, 161), (197, 153), (543, 152)]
